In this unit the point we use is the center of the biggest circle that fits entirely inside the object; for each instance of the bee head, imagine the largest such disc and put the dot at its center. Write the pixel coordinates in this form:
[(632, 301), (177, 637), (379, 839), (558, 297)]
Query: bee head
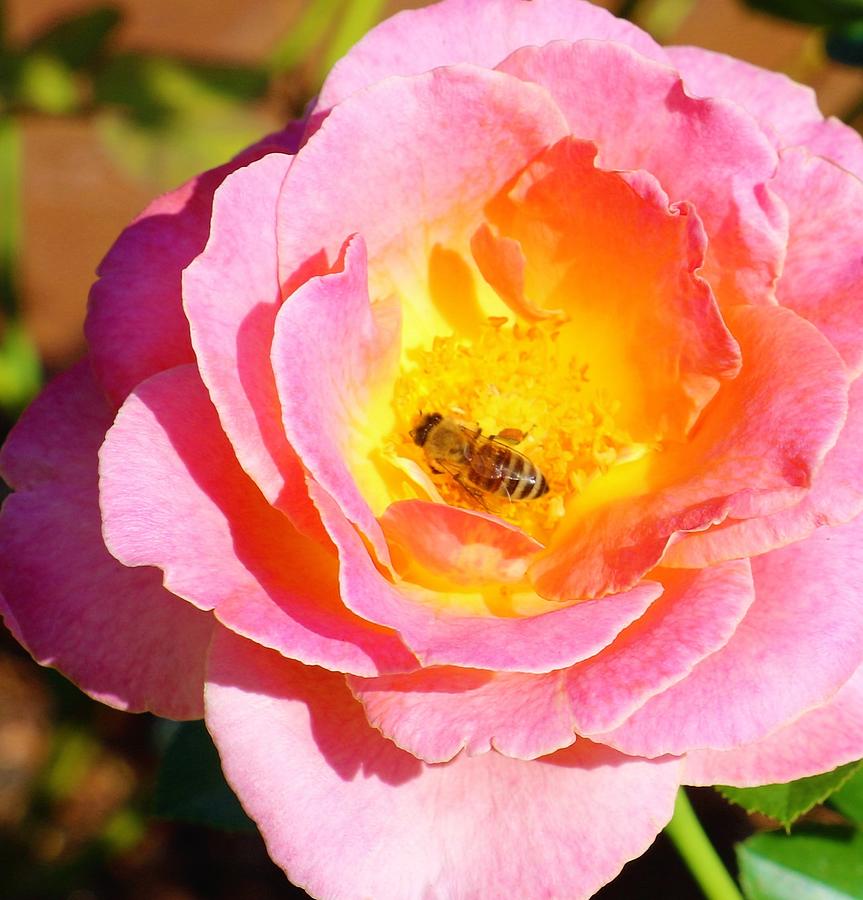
[(424, 426)]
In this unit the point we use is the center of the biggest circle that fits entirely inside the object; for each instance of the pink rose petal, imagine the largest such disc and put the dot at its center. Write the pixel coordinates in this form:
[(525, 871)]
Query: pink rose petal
[(438, 712), (792, 385), (135, 324), (800, 642), (455, 547), (384, 167), (787, 111), (697, 614), (114, 631), (467, 31), (638, 114), (346, 813), (820, 740), (437, 636), (174, 496), (836, 497), (780, 105), (607, 250), (823, 275), (434, 713), (334, 355), (231, 297)]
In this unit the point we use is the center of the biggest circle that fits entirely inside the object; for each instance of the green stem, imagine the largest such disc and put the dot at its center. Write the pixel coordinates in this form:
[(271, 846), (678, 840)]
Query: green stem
[(701, 859)]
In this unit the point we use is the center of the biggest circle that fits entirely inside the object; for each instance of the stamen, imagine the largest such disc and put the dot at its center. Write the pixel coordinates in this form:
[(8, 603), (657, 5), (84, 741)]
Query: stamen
[(514, 379)]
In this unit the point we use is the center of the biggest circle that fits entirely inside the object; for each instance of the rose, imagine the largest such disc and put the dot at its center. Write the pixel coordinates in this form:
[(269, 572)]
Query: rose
[(474, 697)]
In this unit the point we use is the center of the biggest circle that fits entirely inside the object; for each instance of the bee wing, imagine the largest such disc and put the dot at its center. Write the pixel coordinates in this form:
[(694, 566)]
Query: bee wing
[(490, 459)]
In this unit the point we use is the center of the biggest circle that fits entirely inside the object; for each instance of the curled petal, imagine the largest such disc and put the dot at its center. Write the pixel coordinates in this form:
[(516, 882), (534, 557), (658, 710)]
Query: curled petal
[(231, 297), (456, 548), (135, 324), (836, 497), (807, 617), (333, 356), (464, 31), (793, 386), (640, 117), (787, 111), (607, 250), (434, 713), (187, 507), (438, 634)]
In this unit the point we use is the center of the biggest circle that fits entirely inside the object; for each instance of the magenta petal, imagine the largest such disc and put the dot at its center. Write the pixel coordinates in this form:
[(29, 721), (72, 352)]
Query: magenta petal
[(638, 114), (818, 741), (346, 813), (231, 296), (116, 632), (465, 31), (436, 636), (135, 324), (174, 496), (806, 618)]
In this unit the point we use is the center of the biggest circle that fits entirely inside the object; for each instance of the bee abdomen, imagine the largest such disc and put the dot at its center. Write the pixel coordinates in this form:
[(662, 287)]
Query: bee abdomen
[(501, 471), (531, 483)]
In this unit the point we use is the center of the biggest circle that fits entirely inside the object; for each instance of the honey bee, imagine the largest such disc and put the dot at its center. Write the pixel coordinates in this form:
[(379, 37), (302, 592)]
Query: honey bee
[(480, 465)]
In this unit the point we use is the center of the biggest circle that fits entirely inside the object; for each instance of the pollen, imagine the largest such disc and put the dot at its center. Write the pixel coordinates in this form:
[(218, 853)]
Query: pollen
[(524, 385)]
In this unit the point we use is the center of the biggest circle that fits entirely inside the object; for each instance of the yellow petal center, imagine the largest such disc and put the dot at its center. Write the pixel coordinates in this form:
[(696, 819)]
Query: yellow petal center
[(523, 384)]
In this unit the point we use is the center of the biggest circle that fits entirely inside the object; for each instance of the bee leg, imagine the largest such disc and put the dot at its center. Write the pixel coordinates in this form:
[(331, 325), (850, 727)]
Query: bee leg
[(473, 493), (436, 471)]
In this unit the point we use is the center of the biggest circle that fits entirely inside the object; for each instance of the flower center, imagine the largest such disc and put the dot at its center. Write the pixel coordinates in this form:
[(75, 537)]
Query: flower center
[(522, 385)]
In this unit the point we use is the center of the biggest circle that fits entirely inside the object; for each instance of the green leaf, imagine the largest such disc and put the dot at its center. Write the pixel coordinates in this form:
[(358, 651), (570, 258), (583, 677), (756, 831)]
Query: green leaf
[(356, 19), (812, 864), (844, 44), (151, 88), (811, 12), (79, 40), (20, 369), (305, 34), (190, 786), (849, 798), (787, 802), (154, 111), (45, 83)]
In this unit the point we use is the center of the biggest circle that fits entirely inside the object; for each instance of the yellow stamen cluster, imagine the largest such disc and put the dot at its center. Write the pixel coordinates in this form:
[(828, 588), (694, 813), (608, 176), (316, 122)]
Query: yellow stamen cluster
[(513, 378)]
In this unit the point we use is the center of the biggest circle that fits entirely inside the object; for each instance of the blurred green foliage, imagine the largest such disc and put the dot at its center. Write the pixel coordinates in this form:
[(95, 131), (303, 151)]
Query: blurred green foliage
[(842, 21), (150, 111)]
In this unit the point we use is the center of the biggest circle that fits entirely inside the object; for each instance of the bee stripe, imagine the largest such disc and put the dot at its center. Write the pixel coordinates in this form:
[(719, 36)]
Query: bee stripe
[(513, 483)]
